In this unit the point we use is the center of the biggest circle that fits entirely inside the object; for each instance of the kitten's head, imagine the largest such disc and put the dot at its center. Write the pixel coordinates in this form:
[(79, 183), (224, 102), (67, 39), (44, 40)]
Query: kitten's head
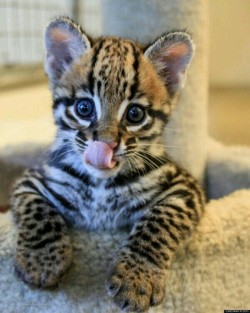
[(112, 97)]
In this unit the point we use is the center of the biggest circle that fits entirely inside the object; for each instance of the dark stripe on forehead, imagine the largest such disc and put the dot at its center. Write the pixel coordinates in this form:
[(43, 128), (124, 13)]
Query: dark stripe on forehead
[(73, 93), (99, 85), (94, 60), (134, 86), (85, 87)]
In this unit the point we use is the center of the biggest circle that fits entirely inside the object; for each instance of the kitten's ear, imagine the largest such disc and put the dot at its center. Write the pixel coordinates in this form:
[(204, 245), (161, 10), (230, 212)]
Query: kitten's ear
[(64, 42), (171, 54)]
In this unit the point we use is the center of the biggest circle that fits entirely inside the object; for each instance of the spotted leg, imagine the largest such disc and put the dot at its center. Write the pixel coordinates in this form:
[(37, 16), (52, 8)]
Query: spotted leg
[(138, 276), (43, 249)]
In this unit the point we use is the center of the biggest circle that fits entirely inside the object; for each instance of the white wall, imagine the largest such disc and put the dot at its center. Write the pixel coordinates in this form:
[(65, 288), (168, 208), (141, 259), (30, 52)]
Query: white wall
[(91, 17), (230, 42)]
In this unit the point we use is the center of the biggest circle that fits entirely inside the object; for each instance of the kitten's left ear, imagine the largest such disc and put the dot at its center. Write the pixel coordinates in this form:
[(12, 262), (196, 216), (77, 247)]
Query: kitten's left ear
[(64, 43), (171, 55)]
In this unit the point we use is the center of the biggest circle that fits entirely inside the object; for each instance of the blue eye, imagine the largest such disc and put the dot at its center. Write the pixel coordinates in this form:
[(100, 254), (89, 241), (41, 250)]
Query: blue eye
[(135, 114), (84, 107)]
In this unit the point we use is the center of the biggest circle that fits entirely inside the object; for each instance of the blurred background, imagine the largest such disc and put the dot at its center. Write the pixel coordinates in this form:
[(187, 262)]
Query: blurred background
[(25, 114)]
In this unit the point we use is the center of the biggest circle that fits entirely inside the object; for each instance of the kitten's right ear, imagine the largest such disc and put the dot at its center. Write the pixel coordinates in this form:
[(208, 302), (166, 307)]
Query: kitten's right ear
[(64, 43)]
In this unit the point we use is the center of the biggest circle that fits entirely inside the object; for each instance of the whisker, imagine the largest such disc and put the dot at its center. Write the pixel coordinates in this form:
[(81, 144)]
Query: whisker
[(59, 155), (146, 160), (174, 129), (130, 164), (133, 157), (132, 161), (162, 159), (144, 155), (160, 145)]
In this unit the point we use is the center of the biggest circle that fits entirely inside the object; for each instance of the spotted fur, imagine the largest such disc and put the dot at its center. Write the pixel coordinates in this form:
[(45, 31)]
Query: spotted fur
[(146, 190)]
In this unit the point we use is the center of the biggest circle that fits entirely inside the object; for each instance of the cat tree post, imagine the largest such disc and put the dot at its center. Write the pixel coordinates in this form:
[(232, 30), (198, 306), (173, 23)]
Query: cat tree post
[(144, 20)]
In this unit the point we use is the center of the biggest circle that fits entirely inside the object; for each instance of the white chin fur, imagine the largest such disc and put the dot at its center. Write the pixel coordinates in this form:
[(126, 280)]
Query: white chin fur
[(102, 173)]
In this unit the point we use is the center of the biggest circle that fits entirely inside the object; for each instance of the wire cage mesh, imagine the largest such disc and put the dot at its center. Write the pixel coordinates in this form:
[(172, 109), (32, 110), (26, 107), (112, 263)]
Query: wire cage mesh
[(21, 28), (22, 24)]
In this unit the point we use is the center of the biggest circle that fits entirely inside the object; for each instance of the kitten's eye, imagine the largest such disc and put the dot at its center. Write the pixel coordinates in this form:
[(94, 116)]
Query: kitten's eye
[(84, 107), (135, 114)]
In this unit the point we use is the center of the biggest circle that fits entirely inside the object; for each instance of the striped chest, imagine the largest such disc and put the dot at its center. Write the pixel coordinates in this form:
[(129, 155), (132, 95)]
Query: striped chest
[(93, 203)]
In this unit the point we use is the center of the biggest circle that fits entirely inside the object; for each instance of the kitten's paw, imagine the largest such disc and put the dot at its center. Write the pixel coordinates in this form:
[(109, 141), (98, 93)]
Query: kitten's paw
[(136, 286), (42, 267)]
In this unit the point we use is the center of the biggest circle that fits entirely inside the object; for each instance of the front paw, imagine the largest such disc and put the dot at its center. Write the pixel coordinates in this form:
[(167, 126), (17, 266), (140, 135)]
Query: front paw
[(42, 267), (136, 285)]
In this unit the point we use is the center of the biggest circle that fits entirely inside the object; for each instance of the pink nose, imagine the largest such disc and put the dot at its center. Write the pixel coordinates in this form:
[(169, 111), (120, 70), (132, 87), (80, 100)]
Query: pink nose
[(100, 154)]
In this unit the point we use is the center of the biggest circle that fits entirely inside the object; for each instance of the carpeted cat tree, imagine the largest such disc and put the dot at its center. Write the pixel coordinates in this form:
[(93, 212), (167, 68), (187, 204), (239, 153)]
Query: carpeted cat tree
[(211, 271)]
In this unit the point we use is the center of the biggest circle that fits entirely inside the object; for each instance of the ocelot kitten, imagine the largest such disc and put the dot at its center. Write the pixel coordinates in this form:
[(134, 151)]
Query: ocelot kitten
[(108, 167)]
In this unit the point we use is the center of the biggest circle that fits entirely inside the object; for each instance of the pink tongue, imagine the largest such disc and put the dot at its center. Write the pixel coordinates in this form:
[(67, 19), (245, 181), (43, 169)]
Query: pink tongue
[(99, 154)]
